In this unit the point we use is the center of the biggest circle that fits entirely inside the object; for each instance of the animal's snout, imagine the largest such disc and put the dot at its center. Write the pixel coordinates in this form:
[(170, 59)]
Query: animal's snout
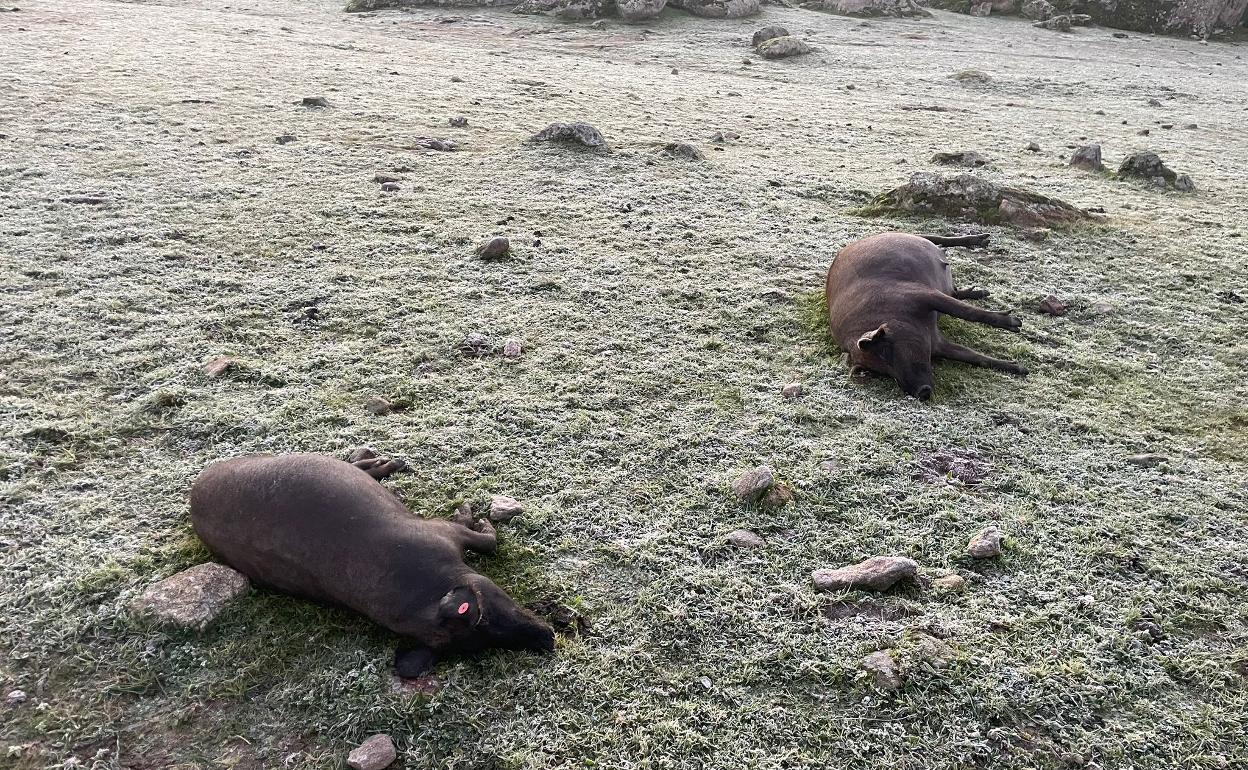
[(923, 393)]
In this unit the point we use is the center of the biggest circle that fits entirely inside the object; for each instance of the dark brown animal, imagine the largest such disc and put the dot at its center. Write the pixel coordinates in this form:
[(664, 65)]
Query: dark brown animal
[(884, 296), (317, 527)]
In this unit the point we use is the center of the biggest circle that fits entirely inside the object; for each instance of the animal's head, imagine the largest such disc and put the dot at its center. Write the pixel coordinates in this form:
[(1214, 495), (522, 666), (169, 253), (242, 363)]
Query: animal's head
[(477, 614), (903, 352)]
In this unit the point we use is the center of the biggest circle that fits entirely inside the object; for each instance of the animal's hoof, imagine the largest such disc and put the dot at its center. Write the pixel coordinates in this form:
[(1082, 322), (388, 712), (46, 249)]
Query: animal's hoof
[(1012, 323), (1021, 371), (411, 664)]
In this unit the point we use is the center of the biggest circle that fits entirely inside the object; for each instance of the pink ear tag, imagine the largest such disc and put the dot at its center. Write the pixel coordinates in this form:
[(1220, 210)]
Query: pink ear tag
[(463, 608)]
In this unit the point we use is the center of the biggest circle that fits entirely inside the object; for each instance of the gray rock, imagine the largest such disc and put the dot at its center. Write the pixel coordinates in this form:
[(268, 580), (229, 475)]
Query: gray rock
[(718, 9), (1038, 10), (743, 538), (972, 198), (778, 496), (433, 143), (767, 33), (285, 139), (638, 10), (373, 754), (1059, 23), (1053, 306), (879, 573), (1147, 460), (1148, 167), (315, 101), (571, 10), (475, 345), (792, 390), (969, 158), (15, 698), (1088, 158), (378, 405), (782, 48), (193, 598), (949, 583), (503, 509), (575, 134), (883, 670), (986, 544), (220, 366), (869, 8), (391, 187), (512, 348), (683, 150), (459, 122), (381, 178), (495, 248), (753, 484)]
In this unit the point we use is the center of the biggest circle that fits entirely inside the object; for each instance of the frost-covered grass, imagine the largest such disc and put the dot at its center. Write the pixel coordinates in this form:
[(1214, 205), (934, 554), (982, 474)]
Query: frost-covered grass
[(662, 311)]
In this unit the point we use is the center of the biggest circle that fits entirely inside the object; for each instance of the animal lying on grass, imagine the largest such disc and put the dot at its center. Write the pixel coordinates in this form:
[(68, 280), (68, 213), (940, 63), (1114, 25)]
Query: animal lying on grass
[(884, 296), (320, 528)]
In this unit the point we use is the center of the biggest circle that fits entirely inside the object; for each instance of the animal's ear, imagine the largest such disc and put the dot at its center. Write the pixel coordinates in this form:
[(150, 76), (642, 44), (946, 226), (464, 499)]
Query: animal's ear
[(873, 337), (462, 604)]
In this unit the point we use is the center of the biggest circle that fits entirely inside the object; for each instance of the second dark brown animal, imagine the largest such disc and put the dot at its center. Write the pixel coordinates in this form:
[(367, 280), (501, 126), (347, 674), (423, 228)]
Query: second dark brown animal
[(885, 294), (320, 528)]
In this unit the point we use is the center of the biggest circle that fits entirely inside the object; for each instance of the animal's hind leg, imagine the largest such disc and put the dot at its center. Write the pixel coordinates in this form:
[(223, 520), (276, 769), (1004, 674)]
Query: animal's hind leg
[(949, 350), (968, 294), (943, 303), (367, 460)]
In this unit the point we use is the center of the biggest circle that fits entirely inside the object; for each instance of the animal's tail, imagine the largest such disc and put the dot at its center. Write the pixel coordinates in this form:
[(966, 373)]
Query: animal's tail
[(958, 240)]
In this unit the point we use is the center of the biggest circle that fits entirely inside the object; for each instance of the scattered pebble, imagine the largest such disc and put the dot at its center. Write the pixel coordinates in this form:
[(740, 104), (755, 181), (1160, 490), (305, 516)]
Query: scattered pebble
[(456, 79), (220, 366), (503, 509), (1053, 306), (883, 670), (753, 484), (683, 150), (475, 345), (577, 133), (792, 390), (953, 466), (15, 698), (950, 583), (782, 48), (459, 122), (743, 538), (1148, 167), (88, 199), (285, 139), (778, 496), (1147, 460), (969, 159), (1033, 147), (495, 248), (986, 544), (390, 187), (972, 76), (768, 33), (512, 348), (879, 573), (373, 754), (380, 178), (315, 101), (724, 137), (193, 598), (1088, 158), (378, 405)]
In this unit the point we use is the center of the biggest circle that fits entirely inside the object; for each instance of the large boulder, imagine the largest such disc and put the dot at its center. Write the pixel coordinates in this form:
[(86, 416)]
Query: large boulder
[(972, 198), (572, 10), (868, 8), (1197, 17), (782, 47), (638, 10), (718, 9), (356, 6), (1148, 167)]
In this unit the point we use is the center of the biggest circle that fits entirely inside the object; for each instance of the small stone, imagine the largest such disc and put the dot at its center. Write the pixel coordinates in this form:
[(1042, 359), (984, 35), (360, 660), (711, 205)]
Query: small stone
[(883, 670), (778, 496), (1102, 308), (503, 509), (1053, 306), (1033, 147), (577, 133), (1060, 23), (456, 79), (285, 139), (380, 178), (390, 187), (792, 390), (459, 122), (972, 76), (475, 345), (970, 159), (675, 71), (879, 573), (1143, 132), (373, 754), (782, 48), (1147, 460), (512, 348), (15, 698), (768, 33), (724, 137), (683, 150), (315, 101), (378, 405), (743, 538), (753, 484), (950, 583), (220, 366), (1154, 103), (985, 545), (192, 598), (1036, 234), (1088, 158), (1191, 126), (495, 248)]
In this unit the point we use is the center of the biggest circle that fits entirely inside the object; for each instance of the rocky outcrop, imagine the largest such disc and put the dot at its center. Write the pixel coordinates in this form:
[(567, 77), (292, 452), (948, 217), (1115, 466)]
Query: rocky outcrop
[(971, 198), (1148, 167), (1177, 17), (639, 10), (868, 8), (782, 47), (571, 10), (718, 9)]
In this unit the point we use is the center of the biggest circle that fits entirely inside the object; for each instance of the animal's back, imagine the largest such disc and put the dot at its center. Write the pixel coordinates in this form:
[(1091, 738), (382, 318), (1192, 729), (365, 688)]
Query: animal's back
[(294, 522)]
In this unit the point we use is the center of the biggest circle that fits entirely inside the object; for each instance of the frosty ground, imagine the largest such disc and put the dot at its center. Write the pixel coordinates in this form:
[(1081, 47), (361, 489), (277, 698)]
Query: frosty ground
[(662, 304)]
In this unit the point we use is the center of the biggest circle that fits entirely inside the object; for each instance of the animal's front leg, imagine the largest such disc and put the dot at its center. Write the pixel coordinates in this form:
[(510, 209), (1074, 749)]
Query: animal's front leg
[(947, 349), (414, 662), (943, 303), (969, 294)]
